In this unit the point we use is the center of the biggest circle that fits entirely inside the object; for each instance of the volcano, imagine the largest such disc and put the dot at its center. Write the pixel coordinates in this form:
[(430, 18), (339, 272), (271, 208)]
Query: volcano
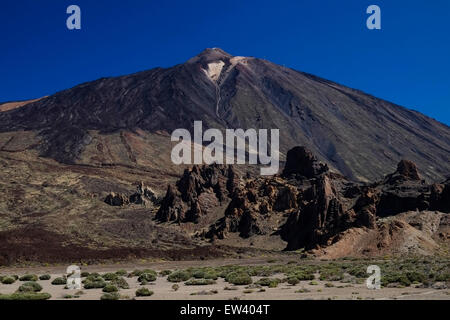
[(98, 123)]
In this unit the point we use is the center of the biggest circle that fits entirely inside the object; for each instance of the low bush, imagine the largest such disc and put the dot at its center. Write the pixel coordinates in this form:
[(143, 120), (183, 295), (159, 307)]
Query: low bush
[(268, 282), (147, 277), (110, 288), (238, 278), (121, 272), (179, 276), (143, 292), (29, 277), (44, 277), (165, 273), (8, 280), (26, 296), (110, 276), (199, 282), (121, 283), (30, 287), (110, 296), (293, 281), (60, 281), (94, 284)]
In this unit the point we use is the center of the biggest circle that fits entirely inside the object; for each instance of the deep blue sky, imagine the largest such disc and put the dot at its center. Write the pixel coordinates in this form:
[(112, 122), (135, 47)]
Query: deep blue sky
[(407, 62)]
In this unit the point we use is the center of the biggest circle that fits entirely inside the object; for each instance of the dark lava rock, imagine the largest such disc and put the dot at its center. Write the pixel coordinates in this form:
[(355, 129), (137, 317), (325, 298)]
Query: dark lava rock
[(184, 202), (301, 161)]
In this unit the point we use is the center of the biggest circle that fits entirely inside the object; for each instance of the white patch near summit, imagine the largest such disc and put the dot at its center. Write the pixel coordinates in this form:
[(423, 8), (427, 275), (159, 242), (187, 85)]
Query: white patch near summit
[(214, 70)]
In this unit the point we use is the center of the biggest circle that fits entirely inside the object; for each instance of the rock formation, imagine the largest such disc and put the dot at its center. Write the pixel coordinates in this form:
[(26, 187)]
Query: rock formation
[(144, 196), (199, 188), (308, 206)]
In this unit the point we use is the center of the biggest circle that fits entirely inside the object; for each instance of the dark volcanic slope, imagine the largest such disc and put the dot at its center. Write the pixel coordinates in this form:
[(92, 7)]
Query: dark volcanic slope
[(361, 136)]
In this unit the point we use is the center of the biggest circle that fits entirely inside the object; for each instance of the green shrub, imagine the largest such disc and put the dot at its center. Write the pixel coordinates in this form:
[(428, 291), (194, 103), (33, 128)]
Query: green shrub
[(60, 281), (293, 281), (45, 277), (304, 276), (443, 276), (175, 287), (8, 280), (94, 284), (268, 282), (121, 283), (211, 275), (150, 271), (147, 277), (110, 276), (135, 273), (110, 288), (165, 273), (395, 277), (415, 276), (238, 278), (331, 274), (121, 272), (199, 282), (179, 276), (110, 296), (30, 287), (25, 296), (199, 274), (29, 277), (143, 292), (85, 274)]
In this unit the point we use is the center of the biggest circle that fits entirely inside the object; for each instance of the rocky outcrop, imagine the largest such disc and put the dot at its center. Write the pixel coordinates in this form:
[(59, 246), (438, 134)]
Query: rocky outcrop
[(308, 206), (116, 200), (144, 196), (301, 161), (188, 200)]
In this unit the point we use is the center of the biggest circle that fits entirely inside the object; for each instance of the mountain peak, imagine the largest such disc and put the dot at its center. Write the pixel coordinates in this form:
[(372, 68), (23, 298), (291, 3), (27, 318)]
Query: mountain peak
[(211, 54)]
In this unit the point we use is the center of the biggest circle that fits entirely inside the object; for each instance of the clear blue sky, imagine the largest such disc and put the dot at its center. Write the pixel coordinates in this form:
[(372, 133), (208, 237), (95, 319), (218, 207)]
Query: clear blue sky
[(407, 62)]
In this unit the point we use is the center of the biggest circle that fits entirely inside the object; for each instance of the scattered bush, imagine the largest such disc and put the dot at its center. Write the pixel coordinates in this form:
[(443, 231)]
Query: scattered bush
[(8, 280), (238, 278), (211, 275), (199, 274), (45, 277), (94, 283), (25, 296), (175, 287), (29, 277), (268, 282), (121, 283), (60, 281), (143, 292), (110, 296), (199, 282), (147, 277), (135, 273), (178, 276), (110, 276), (293, 281), (30, 287), (110, 288), (85, 274), (165, 273), (121, 272)]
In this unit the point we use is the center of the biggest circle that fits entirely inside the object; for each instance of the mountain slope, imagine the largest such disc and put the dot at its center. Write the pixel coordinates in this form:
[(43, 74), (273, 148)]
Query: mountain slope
[(358, 135)]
